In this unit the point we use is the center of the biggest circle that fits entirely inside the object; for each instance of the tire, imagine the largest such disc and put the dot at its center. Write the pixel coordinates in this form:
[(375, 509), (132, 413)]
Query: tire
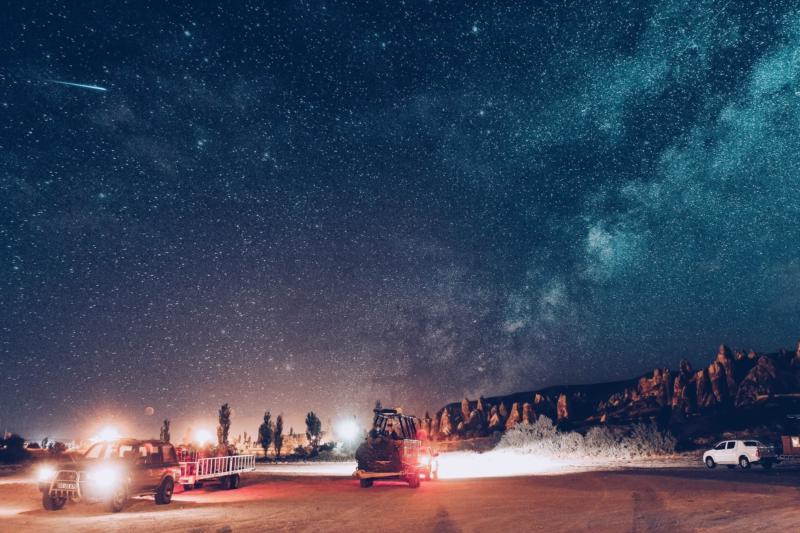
[(198, 484), (52, 503), (365, 483), (164, 491), (117, 501), (766, 465), (710, 463), (744, 462), (413, 481), (225, 482), (235, 479), (187, 486)]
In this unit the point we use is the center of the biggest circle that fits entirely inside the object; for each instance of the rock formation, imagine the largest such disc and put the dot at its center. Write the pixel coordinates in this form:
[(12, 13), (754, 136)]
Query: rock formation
[(562, 408), (733, 380), (703, 393), (464, 409), (495, 420), (725, 360), (513, 416), (684, 392), (502, 411), (445, 424), (527, 413), (658, 387), (762, 380), (425, 424)]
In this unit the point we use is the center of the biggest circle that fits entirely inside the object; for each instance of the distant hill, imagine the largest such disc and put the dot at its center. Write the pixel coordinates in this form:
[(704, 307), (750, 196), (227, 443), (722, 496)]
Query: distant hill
[(737, 393)]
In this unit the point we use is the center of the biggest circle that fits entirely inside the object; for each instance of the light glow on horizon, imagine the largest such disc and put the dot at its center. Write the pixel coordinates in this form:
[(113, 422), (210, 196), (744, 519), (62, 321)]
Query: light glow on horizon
[(203, 436), (107, 433)]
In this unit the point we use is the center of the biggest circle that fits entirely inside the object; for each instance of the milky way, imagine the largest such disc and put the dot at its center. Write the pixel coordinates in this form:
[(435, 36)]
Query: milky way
[(316, 205)]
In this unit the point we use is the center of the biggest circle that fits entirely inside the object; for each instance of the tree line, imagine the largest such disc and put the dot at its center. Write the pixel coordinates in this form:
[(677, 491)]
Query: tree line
[(270, 434)]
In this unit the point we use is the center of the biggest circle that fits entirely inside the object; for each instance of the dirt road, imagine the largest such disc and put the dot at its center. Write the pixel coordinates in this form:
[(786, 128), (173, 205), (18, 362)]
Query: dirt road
[(669, 499)]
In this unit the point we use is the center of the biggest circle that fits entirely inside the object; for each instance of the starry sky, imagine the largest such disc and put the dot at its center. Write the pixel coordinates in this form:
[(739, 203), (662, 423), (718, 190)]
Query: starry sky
[(312, 205)]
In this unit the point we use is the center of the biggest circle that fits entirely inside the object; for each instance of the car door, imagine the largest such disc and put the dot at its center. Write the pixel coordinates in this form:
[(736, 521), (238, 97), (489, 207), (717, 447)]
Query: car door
[(718, 453), (139, 476), (170, 461), (155, 466), (730, 453)]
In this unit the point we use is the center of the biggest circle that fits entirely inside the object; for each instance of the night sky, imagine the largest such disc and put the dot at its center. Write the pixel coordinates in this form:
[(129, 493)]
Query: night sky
[(313, 205)]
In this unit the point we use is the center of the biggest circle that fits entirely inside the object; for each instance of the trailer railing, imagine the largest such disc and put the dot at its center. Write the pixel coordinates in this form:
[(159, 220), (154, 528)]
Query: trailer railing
[(214, 467), (230, 464)]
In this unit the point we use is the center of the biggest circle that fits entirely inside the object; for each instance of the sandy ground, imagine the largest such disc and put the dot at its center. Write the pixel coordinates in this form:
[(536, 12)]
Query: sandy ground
[(323, 498)]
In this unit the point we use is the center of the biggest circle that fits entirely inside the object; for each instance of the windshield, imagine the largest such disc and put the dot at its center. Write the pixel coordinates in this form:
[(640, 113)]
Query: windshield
[(111, 450), (95, 451)]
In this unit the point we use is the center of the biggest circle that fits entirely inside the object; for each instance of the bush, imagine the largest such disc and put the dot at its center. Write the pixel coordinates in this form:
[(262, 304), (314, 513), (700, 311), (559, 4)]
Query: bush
[(543, 438)]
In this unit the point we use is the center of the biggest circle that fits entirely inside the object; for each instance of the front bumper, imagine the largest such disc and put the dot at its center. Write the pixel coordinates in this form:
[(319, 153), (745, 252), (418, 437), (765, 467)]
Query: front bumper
[(66, 484), (76, 486)]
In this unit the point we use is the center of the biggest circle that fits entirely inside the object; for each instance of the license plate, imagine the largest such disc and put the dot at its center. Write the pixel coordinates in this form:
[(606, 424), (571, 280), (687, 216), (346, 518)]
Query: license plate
[(67, 486)]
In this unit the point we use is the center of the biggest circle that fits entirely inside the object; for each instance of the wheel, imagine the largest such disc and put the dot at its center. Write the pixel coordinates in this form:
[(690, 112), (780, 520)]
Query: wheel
[(188, 486), (52, 503), (225, 482), (413, 481), (365, 483), (198, 484), (118, 499), (710, 462), (766, 465), (744, 462), (234, 482), (164, 492)]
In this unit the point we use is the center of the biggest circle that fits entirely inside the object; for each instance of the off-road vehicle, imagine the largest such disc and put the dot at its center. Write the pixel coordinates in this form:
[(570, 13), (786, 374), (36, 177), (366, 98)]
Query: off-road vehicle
[(391, 450), (112, 472)]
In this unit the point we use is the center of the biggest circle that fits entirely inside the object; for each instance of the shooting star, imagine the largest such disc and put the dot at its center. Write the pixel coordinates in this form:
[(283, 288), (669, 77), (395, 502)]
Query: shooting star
[(80, 85)]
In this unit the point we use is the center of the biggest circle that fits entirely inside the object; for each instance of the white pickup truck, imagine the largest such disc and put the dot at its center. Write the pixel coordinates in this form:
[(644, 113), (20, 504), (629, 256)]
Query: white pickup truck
[(740, 452)]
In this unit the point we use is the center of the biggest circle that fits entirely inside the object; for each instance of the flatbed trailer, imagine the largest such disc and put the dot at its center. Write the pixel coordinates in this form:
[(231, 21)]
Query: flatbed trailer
[(225, 469)]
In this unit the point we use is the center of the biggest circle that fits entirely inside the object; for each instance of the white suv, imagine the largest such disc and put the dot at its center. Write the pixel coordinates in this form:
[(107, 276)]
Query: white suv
[(739, 452)]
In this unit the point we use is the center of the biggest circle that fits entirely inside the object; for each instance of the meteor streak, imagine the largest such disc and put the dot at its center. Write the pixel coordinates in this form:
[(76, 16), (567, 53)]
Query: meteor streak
[(80, 85)]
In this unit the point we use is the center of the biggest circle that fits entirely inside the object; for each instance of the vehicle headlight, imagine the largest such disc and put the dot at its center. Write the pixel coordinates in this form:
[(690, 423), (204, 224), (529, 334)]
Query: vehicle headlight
[(45, 474), (104, 476)]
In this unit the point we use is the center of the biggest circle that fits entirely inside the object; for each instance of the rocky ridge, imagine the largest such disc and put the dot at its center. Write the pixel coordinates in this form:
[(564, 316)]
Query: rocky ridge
[(735, 391)]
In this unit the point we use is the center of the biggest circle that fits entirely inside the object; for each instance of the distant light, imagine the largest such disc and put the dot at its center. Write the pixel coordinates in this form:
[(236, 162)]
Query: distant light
[(203, 436), (347, 430), (107, 433), (46, 473)]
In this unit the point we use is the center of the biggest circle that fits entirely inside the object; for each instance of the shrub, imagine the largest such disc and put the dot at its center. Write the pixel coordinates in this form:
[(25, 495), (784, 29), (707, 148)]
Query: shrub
[(543, 438)]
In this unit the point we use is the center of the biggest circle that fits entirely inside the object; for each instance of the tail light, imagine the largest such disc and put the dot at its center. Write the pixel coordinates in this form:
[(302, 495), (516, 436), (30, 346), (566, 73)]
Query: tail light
[(758, 452)]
